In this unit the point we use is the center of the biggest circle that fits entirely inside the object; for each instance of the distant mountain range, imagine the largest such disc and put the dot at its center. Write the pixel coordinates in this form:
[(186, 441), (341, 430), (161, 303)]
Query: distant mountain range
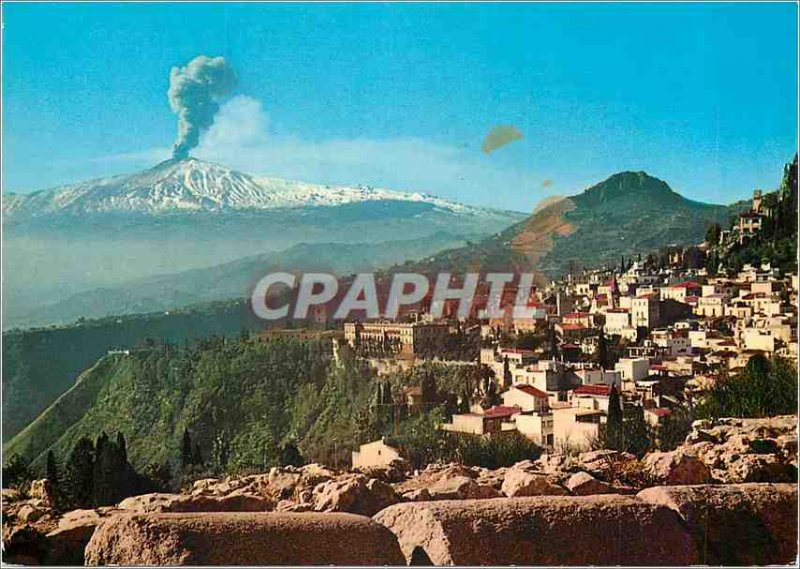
[(188, 214), (232, 280)]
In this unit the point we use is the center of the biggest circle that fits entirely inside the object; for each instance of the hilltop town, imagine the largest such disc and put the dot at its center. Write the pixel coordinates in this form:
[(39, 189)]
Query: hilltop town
[(659, 330)]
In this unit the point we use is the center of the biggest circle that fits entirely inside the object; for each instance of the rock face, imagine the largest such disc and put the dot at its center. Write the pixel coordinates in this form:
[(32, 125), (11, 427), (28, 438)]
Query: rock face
[(584, 484), (440, 516), (676, 467), (157, 502), (743, 524), (42, 490), (354, 493), (242, 539), (546, 530), (449, 482)]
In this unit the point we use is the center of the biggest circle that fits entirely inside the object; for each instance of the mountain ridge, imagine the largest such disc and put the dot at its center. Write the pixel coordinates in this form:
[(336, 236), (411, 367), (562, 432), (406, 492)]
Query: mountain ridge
[(627, 213)]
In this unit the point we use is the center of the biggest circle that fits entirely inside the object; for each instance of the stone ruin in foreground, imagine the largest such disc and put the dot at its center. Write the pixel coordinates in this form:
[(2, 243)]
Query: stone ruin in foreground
[(728, 496)]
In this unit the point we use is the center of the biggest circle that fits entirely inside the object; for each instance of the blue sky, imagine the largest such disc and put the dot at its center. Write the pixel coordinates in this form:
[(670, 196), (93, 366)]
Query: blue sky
[(703, 96)]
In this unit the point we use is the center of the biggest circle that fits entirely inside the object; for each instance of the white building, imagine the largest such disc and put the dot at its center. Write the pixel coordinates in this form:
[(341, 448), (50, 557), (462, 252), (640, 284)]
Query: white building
[(633, 369)]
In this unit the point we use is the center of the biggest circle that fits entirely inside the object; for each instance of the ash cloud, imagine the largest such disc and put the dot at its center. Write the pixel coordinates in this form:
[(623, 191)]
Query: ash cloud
[(194, 94)]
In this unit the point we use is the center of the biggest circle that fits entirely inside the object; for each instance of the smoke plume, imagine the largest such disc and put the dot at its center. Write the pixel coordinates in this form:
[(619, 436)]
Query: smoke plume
[(194, 92)]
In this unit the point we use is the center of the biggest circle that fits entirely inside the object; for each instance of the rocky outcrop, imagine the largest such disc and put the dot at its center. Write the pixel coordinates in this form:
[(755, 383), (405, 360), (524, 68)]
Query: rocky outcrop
[(730, 519), (743, 524), (354, 493), (747, 450), (42, 490), (66, 544), (449, 482), (395, 471), (25, 522), (242, 539), (546, 530)]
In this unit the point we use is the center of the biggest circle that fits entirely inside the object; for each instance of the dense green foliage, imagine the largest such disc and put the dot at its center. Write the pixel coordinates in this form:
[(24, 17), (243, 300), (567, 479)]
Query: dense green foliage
[(764, 388), (422, 443)]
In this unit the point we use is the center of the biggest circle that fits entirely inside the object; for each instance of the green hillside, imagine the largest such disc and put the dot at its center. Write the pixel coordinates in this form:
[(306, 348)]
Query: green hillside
[(40, 364), (244, 402)]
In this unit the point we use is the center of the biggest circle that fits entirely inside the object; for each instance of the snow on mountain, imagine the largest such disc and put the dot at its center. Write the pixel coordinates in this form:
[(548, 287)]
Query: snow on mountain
[(191, 185)]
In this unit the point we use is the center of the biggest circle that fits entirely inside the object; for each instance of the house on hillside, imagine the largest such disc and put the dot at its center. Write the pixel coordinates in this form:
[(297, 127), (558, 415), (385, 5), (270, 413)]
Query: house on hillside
[(376, 453), (527, 398)]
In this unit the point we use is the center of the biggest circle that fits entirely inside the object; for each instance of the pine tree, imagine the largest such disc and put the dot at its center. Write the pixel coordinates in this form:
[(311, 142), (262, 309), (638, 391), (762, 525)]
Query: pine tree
[(79, 474)]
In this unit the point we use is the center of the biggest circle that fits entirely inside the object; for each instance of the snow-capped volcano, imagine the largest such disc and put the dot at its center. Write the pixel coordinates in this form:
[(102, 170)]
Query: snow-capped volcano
[(193, 185)]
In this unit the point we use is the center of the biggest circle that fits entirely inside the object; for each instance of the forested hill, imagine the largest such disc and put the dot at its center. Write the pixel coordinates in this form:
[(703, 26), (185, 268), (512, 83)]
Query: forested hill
[(245, 396), (243, 400)]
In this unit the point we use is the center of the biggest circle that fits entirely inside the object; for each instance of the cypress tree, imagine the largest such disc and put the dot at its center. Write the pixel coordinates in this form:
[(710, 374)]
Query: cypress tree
[(614, 429), (123, 471), (79, 473), (552, 341), (197, 456), (122, 448), (428, 389), (53, 473), (104, 471), (186, 449), (602, 351), (637, 434)]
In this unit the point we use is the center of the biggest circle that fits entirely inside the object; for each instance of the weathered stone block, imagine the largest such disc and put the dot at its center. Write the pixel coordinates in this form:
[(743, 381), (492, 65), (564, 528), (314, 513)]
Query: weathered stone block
[(738, 524), (242, 538), (542, 530)]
